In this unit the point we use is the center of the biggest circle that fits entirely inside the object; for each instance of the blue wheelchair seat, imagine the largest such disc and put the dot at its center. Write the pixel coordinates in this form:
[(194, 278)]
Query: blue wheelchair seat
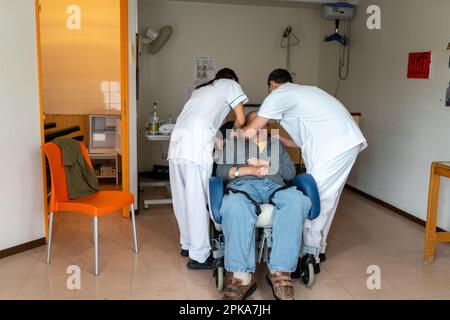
[(304, 182)]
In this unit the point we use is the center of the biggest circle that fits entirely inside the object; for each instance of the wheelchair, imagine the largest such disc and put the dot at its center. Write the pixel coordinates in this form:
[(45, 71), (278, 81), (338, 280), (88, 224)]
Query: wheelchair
[(306, 265)]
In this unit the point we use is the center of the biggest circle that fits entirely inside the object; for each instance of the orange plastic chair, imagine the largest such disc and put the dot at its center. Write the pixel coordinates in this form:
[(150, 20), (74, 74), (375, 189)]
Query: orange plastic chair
[(96, 205)]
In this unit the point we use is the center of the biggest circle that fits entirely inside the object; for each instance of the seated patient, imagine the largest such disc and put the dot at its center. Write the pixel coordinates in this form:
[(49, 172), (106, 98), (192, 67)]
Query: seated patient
[(259, 174)]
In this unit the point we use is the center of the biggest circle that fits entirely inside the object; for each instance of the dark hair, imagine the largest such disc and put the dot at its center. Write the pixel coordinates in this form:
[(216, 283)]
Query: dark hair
[(225, 73), (280, 76)]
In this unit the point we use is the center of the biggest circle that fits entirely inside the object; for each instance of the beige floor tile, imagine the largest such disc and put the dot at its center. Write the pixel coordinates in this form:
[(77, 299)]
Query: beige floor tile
[(16, 266), (203, 293), (416, 260), (418, 285), (443, 277), (10, 287), (45, 288), (322, 290), (157, 275), (389, 264), (106, 284), (362, 234), (345, 265), (57, 267), (197, 277), (168, 293), (38, 253), (358, 288)]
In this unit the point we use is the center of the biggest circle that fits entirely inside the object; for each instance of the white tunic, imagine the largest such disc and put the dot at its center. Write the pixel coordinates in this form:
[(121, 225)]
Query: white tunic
[(317, 122), (193, 136)]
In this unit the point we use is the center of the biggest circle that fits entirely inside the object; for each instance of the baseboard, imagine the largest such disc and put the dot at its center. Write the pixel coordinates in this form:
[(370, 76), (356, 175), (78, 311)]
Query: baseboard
[(398, 211), (22, 247)]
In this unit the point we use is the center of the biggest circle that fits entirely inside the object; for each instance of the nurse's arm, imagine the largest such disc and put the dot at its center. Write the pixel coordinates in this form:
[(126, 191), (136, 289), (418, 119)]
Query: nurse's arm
[(251, 129), (287, 142), (240, 116)]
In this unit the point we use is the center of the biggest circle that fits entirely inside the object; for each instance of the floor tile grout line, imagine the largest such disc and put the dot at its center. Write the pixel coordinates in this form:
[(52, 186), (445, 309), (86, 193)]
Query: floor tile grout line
[(25, 280)]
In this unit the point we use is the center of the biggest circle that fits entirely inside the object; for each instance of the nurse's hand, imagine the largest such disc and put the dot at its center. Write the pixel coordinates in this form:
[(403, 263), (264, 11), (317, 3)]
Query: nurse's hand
[(234, 133), (219, 143), (241, 134)]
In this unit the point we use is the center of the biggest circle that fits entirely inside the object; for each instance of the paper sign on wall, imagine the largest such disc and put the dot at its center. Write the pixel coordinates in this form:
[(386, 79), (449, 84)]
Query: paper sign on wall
[(205, 69), (419, 65)]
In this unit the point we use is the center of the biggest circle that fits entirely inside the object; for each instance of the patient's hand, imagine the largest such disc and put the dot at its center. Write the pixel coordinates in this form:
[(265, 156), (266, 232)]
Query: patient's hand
[(253, 162), (261, 171)]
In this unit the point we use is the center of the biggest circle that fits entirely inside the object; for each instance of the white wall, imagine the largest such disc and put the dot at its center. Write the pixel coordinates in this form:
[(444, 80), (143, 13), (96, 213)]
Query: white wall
[(21, 205), (404, 120), (245, 38)]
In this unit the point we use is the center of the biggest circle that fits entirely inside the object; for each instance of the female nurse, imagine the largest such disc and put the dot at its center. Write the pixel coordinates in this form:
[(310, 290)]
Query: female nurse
[(191, 159)]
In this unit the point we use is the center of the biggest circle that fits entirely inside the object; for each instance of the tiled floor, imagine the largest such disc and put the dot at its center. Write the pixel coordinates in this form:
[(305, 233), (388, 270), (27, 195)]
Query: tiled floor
[(363, 234)]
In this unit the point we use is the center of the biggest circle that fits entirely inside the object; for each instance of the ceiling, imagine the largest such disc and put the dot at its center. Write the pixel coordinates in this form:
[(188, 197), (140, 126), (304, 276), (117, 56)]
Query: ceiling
[(275, 3)]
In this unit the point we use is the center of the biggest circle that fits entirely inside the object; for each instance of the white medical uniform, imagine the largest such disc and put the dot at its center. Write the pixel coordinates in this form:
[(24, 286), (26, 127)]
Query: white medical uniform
[(191, 159), (330, 141)]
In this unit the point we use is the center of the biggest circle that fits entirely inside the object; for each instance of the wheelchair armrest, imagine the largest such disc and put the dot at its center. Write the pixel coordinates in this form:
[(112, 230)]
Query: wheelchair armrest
[(306, 184), (216, 193)]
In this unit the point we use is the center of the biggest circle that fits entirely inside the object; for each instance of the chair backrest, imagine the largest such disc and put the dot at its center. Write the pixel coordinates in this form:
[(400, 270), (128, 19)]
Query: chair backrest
[(58, 174), (307, 184)]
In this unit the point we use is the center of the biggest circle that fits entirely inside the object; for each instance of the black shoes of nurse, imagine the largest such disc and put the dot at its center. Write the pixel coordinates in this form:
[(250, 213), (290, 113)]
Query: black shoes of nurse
[(184, 253), (195, 265), (303, 262), (322, 257)]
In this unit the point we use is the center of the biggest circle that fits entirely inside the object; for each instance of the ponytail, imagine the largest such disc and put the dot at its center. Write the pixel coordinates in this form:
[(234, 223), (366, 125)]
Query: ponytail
[(225, 73)]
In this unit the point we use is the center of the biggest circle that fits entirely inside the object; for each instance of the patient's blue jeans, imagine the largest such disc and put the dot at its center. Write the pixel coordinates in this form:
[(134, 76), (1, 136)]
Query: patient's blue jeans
[(239, 220)]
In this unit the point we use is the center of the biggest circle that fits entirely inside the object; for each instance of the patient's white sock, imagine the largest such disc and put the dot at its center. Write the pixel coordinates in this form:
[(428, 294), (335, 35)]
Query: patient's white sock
[(245, 277)]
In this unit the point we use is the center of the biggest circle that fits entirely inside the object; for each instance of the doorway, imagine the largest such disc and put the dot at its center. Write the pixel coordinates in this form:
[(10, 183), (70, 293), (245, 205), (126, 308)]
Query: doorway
[(83, 71)]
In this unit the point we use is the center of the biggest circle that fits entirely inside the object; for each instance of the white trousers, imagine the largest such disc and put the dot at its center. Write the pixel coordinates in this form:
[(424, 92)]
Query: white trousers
[(189, 185), (331, 178)]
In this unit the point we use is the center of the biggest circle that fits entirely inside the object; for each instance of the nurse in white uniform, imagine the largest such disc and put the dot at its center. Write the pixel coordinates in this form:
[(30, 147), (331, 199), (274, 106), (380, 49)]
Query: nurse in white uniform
[(327, 135), (191, 159)]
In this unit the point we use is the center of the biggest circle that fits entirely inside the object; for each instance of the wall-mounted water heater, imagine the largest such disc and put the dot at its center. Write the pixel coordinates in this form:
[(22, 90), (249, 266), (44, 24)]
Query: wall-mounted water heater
[(338, 11)]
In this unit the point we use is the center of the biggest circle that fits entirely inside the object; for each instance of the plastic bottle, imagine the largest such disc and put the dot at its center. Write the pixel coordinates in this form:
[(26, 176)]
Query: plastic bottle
[(155, 120), (170, 118)]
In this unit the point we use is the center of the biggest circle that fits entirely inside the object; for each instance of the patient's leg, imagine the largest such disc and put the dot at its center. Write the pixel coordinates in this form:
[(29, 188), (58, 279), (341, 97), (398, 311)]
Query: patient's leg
[(238, 225), (291, 210)]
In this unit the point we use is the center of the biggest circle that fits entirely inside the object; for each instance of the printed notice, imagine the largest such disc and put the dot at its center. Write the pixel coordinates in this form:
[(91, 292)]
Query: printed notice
[(205, 69)]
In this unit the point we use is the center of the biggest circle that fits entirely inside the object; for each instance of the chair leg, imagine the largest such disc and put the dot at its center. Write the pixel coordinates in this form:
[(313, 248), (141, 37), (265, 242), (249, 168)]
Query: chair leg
[(93, 233), (50, 236), (133, 224), (96, 257)]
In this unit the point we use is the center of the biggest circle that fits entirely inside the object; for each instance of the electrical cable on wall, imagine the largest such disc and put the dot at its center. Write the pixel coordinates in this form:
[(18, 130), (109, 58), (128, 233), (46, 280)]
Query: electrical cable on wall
[(286, 42), (344, 59)]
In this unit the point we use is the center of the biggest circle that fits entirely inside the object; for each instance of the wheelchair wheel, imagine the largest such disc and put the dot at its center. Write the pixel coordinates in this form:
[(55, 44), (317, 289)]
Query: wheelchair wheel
[(308, 276), (220, 275)]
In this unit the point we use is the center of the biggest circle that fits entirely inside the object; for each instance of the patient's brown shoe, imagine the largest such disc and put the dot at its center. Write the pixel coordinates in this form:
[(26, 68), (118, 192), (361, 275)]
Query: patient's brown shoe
[(281, 284), (235, 290)]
